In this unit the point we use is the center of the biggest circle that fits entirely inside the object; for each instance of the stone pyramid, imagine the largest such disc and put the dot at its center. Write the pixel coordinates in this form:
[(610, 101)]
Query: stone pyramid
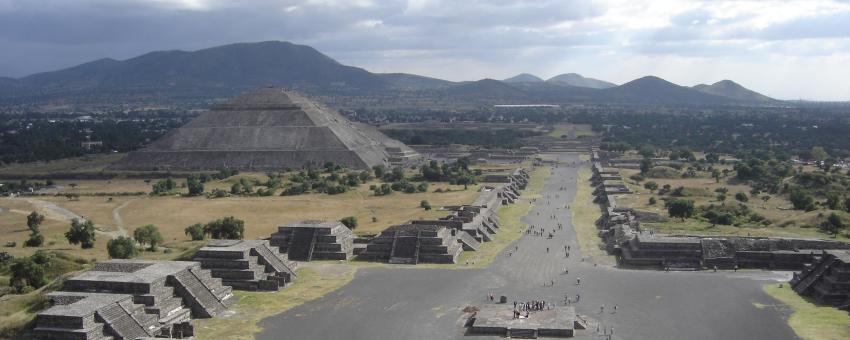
[(266, 129)]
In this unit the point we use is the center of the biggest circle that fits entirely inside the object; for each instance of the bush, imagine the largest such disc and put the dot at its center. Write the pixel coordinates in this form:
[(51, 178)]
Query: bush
[(28, 272), (425, 205), (350, 222), (230, 228), (195, 232), (148, 234), (121, 248), (35, 240), (81, 233), (652, 200), (741, 197)]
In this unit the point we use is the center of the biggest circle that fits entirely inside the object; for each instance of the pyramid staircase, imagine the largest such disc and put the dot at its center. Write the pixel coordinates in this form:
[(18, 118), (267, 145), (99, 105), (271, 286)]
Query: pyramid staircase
[(810, 276), (302, 244)]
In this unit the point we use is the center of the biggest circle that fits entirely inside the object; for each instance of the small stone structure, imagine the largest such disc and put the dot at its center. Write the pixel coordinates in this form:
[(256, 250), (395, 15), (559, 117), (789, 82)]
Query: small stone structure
[(130, 299), (621, 230), (499, 320), (246, 265), (314, 240), (827, 279), (414, 243)]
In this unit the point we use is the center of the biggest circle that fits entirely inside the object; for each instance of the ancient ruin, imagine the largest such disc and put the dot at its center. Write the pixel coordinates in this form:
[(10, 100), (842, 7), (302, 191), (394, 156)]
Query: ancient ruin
[(246, 265), (827, 279), (130, 299), (314, 240), (414, 243), (500, 320), (621, 230), (268, 129)]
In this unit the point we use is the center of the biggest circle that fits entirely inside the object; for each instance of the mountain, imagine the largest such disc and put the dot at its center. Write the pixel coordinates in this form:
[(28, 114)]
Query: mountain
[(242, 65), (523, 78), (651, 89), (733, 90), (574, 79), (487, 89), (414, 82)]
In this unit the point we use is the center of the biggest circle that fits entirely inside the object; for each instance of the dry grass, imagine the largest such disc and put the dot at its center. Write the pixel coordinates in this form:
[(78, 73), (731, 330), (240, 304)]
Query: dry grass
[(571, 130), (809, 320), (313, 282), (585, 214), (89, 163)]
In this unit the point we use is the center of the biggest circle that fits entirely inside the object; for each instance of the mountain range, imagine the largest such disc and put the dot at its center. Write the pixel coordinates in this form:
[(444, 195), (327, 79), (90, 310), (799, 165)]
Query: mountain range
[(229, 69)]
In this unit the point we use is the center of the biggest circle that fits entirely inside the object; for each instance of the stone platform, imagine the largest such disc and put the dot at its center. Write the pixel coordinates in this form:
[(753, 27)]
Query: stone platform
[(558, 322), (314, 240), (246, 264)]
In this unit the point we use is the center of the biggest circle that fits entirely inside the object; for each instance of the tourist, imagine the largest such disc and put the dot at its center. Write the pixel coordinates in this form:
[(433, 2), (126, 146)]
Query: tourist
[(601, 309), (578, 281), (577, 297)]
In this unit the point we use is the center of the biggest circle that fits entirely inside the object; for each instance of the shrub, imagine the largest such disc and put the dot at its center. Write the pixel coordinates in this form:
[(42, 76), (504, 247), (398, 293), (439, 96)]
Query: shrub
[(350, 222), (195, 232), (425, 205), (121, 248), (741, 197)]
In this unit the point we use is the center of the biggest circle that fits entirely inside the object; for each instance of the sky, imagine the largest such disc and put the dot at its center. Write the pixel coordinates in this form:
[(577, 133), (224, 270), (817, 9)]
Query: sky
[(784, 49)]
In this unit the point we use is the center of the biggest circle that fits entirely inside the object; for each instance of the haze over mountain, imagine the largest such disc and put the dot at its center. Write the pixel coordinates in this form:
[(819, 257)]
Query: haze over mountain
[(575, 79), (229, 69), (523, 78), (733, 90)]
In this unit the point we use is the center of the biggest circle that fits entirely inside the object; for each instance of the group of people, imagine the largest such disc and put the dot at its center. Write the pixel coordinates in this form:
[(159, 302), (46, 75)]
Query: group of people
[(522, 309)]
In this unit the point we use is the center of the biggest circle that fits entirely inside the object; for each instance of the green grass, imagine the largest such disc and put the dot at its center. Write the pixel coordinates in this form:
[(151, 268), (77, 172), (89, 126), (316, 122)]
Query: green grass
[(252, 307), (809, 320), (585, 214)]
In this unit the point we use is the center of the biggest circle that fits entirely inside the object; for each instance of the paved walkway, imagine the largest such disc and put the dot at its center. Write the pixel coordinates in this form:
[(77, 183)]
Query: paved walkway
[(383, 303)]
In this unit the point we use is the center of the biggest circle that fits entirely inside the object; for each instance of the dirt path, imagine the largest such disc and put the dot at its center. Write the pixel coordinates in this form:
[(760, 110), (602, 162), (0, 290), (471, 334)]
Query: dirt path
[(119, 222)]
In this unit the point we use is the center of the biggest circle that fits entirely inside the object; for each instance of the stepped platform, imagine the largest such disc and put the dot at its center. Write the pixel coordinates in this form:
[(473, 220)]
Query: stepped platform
[(414, 243), (314, 240), (164, 287), (827, 279), (498, 320), (247, 264)]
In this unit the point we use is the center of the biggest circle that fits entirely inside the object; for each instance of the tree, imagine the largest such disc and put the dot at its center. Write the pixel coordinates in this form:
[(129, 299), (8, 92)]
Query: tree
[(196, 187), (741, 197), (721, 197), (236, 188), (651, 186), (818, 153), (833, 200), (379, 171), (148, 234), (645, 165), (652, 200), (716, 174), (27, 273), (350, 222), (121, 248), (34, 220), (425, 205), (801, 200), (680, 208), (163, 187), (712, 157), (229, 228), (647, 151), (765, 198), (195, 231), (832, 224), (82, 233)]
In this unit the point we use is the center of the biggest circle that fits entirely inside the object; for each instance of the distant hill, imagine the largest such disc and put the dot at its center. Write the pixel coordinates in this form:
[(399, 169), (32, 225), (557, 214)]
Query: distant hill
[(651, 89), (523, 78), (202, 76), (236, 65), (415, 82), (574, 79), (733, 90)]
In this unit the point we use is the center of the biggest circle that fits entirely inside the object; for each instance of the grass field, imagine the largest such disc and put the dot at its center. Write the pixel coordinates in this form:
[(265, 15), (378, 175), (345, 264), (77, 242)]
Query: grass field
[(809, 320), (313, 282), (89, 163), (571, 130), (585, 214)]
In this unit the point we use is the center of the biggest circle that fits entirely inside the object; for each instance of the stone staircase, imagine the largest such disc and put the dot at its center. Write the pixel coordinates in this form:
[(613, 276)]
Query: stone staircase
[(405, 250), (808, 277), (302, 243), (123, 323), (522, 333), (285, 270), (468, 242), (204, 294)]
